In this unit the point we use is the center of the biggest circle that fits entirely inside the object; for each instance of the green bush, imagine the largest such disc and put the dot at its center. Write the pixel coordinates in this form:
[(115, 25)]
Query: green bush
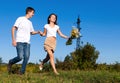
[(83, 58), (116, 67)]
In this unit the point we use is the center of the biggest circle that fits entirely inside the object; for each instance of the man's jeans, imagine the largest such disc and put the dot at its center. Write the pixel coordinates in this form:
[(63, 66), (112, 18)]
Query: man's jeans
[(23, 52)]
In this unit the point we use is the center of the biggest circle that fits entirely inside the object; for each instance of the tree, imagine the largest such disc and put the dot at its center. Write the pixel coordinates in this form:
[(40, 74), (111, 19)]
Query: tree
[(67, 58), (69, 63), (83, 58), (89, 56), (0, 60)]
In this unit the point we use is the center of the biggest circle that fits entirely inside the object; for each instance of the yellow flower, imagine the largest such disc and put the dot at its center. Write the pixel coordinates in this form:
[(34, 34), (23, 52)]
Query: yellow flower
[(74, 33)]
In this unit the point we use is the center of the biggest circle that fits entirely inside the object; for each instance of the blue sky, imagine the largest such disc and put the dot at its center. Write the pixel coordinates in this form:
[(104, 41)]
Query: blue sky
[(100, 26)]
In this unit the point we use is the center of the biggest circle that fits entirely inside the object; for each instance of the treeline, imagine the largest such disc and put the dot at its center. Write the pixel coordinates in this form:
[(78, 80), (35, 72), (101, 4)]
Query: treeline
[(83, 58)]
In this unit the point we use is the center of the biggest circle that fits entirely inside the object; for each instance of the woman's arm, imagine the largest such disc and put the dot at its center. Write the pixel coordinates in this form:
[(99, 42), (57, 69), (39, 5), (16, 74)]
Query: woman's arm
[(43, 33), (62, 35)]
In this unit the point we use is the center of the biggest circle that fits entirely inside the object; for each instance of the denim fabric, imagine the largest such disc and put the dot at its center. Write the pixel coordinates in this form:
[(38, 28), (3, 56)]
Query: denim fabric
[(23, 52)]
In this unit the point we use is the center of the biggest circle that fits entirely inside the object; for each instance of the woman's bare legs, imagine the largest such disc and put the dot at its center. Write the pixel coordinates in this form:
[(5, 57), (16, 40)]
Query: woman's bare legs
[(44, 61), (51, 55)]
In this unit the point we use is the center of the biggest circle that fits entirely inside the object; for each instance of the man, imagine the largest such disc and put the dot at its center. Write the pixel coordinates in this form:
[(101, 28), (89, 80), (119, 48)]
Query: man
[(24, 29)]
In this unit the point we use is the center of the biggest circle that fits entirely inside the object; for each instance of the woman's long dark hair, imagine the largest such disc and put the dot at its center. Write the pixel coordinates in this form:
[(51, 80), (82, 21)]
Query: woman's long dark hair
[(50, 16)]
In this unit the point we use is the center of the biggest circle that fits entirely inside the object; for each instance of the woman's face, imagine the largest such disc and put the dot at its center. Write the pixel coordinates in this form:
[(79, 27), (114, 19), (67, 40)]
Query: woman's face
[(52, 18)]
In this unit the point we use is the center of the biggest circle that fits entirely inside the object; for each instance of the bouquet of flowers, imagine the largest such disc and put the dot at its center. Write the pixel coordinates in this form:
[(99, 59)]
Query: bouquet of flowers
[(74, 34)]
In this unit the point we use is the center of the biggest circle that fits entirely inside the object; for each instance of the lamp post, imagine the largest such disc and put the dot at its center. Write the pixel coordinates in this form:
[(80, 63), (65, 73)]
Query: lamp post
[(78, 39)]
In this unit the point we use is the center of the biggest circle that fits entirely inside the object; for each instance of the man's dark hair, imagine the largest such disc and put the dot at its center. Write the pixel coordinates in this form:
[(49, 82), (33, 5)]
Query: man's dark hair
[(29, 9)]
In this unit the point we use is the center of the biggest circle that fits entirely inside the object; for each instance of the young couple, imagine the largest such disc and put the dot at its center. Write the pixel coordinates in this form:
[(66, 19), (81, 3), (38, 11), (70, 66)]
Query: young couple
[(24, 29)]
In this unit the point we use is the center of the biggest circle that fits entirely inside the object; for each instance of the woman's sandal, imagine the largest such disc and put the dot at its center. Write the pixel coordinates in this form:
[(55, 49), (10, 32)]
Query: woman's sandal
[(41, 66), (56, 73)]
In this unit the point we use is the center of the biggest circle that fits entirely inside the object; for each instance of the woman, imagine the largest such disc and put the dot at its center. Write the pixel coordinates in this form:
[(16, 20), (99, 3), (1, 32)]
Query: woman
[(50, 30)]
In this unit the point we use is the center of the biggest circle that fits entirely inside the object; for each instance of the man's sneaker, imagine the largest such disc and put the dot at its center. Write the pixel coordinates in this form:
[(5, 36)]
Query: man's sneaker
[(19, 73), (9, 68)]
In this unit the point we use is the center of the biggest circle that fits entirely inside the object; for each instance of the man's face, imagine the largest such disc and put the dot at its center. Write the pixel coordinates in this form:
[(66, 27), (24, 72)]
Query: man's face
[(31, 13)]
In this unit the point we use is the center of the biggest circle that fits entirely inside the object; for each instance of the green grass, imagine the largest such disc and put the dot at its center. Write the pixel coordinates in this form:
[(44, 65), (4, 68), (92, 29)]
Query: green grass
[(74, 76)]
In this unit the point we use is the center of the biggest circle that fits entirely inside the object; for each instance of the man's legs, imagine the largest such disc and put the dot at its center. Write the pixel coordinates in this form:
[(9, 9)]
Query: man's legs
[(19, 57), (26, 57)]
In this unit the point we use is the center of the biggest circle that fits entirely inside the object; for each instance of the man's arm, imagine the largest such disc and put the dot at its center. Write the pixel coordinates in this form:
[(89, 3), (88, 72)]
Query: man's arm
[(34, 32), (13, 36)]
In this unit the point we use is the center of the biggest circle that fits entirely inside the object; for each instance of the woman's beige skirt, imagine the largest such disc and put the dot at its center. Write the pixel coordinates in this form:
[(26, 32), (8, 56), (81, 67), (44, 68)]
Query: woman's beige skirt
[(50, 43)]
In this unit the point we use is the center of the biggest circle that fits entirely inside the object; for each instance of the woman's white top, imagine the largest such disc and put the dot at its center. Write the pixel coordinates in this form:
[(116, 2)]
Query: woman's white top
[(51, 31)]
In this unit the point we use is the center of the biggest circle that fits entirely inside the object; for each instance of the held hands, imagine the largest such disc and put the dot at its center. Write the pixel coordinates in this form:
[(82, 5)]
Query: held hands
[(41, 33)]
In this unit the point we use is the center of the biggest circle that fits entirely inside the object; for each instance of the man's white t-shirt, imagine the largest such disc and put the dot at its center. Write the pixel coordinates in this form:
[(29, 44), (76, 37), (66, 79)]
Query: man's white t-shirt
[(51, 31), (24, 28)]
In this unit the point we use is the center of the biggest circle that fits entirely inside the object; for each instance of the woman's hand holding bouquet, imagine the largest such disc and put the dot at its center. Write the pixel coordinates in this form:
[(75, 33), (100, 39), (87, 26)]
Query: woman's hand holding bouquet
[(74, 34)]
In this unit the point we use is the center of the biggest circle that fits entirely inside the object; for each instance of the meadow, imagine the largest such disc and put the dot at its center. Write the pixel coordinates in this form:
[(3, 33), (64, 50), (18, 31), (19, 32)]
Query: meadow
[(68, 76)]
